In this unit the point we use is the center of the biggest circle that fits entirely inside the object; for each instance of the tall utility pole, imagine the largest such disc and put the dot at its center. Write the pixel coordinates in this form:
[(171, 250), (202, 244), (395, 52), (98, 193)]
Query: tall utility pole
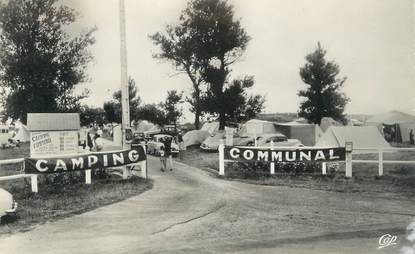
[(124, 75)]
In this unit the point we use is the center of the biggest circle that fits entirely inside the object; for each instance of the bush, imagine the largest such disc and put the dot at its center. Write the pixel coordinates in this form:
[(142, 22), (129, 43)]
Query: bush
[(256, 170)]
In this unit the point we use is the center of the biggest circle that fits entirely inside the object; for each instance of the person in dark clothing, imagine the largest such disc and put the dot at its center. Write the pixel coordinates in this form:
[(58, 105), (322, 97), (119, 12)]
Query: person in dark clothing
[(167, 150), (89, 141), (411, 137)]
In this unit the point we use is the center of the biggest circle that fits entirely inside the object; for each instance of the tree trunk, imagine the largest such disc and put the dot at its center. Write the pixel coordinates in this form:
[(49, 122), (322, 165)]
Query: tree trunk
[(222, 120), (197, 119)]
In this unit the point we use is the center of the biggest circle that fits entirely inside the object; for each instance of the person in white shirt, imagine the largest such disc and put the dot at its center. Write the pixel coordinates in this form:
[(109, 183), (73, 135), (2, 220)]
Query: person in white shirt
[(99, 142)]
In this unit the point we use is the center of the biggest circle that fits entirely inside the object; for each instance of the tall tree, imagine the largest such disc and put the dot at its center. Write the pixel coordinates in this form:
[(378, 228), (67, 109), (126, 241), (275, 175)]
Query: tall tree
[(112, 108), (90, 115), (221, 41), (40, 63), (179, 46), (237, 105), (152, 113), (172, 106), (323, 97)]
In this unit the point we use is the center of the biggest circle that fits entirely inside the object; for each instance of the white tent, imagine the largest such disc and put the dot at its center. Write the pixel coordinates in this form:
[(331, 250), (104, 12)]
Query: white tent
[(404, 122), (308, 134), (256, 126), (23, 134), (326, 122), (361, 136), (195, 137), (211, 127)]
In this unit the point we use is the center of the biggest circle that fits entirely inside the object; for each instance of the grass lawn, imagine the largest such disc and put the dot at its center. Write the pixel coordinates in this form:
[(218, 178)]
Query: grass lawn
[(54, 201), (397, 181)]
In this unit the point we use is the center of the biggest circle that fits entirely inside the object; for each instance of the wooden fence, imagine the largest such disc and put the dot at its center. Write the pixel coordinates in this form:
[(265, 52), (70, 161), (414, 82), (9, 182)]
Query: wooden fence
[(349, 158), (126, 172)]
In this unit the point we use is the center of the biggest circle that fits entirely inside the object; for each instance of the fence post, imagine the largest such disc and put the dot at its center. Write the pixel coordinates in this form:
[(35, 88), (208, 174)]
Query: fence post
[(144, 164), (272, 165), (324, 168), (33, 183), (349, 151), (124, 172), (88, 176), (221, 158), (380, 163)]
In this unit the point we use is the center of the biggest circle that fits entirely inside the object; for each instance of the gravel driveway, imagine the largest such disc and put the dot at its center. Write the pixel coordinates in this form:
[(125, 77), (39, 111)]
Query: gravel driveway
[(189, 211)]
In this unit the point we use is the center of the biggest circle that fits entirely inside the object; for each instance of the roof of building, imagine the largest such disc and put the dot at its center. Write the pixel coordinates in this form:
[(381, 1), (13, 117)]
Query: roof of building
[(53, 121)]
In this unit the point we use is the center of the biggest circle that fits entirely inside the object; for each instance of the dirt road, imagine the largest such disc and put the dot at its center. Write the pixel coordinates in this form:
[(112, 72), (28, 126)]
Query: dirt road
[(189, 211)]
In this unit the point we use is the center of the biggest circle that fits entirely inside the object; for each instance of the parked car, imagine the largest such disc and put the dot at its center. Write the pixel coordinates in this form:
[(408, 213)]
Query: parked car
[(212, 142), (7, 204), (154, 145), (278, 139)]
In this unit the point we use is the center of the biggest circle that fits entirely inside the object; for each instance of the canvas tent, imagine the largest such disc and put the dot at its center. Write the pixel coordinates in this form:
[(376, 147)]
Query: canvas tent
[(256, 126), (195, 137), (211, 127), (394, 125), (326, 122), (23, 134), (144, 126), (361, 136), (308, 134)]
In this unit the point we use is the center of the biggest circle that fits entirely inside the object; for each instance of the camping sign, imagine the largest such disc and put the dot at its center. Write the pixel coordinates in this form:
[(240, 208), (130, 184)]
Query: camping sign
[(84, 161), (285, 155)]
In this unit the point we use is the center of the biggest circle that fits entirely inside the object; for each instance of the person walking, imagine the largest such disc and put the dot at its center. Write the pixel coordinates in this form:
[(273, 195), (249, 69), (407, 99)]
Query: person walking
[(162, 159), (181, 144), (167, 150), (411, 137)]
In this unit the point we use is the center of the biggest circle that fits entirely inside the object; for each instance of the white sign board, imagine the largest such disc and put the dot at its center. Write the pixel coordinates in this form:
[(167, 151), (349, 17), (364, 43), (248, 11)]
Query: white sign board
[(46, 143)]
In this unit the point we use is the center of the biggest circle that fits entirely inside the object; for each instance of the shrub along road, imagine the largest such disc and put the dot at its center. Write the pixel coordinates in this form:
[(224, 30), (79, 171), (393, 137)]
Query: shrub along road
[(188, 211)]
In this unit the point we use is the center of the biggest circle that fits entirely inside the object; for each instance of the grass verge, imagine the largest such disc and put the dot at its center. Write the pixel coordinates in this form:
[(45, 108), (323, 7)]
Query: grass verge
[(50, 203), (60, 199)]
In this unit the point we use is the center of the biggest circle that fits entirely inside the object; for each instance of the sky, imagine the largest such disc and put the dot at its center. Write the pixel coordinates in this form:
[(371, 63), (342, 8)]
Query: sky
[(371, 40)]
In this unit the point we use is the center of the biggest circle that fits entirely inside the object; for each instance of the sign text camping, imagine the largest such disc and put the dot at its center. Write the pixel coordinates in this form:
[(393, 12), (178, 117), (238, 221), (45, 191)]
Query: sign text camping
[(83, 162), (282, 155)]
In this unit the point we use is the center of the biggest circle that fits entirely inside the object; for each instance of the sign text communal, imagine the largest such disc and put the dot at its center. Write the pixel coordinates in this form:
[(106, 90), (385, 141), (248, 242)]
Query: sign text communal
[(282, 155), (84, 161)]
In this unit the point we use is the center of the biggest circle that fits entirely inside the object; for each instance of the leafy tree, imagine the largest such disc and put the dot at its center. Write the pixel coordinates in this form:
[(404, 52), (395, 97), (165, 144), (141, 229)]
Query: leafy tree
[(323, 96), (112, 111), (152, 113), (89, 115), (221, 41), (40, 63), (172, 106), (237, 105), (179, 47), (112, 108)]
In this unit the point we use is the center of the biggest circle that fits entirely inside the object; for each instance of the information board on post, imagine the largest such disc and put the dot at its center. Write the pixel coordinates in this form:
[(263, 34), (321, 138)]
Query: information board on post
[(44, 143)]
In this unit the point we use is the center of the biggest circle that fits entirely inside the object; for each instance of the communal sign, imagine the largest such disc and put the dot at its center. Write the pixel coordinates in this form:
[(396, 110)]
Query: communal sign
[(284, 155), (62, 164)]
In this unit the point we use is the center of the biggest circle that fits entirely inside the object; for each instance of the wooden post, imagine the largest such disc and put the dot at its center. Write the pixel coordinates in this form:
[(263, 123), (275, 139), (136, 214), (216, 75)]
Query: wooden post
[(272, 165), (221, 158), (348, 164), (33, 183), (144, 165), (324, 168), (88, 176), (144, 169), (380, 163), (124, 172)]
